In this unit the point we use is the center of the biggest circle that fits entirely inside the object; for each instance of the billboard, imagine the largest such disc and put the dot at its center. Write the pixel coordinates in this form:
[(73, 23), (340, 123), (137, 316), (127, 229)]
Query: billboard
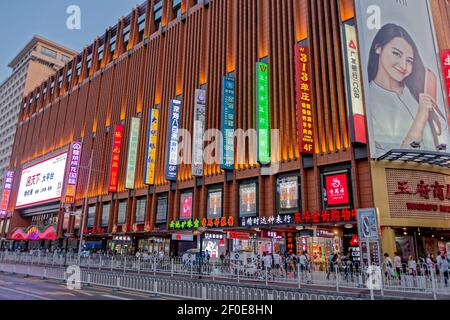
[(186, 206), (337, 189), (6, 193), (227, 154), (151, 147), (42, 182), (199, 130), (115, 159), (172, 148), (132, 152), (262, 112), (405, 103), (72, 174)]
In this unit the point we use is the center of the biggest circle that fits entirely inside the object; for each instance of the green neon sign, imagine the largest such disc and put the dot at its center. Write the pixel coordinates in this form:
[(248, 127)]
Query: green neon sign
[(262, 112)]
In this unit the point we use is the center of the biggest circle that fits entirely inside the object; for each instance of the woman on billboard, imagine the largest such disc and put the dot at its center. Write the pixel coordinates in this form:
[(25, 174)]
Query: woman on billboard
[(404, 94)]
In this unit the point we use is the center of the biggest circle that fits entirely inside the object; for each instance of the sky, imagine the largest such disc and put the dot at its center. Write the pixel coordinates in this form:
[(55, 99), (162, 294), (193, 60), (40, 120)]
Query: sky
[(21, 19)]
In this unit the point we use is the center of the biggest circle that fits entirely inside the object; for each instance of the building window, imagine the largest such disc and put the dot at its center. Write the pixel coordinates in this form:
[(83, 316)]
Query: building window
[(214, 203), (91, 216), (48, 52), (158, 14), (161, 209), (141, 26), (248, 200), (186, 203), (105, 214), (141, 206), (122, 215), (176, 6), (288, 196), (65, 58)]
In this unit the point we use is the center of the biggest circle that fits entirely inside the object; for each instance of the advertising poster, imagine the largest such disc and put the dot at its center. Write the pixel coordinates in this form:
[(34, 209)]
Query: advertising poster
[(405, 102), (247, 198), (214, 204), (172, 148), (151, 147), (132, 152), (337, 189), (227, 154), (42, 182), (199, 131), (405, 247), (161, 210), (287, 189), (186, 206)]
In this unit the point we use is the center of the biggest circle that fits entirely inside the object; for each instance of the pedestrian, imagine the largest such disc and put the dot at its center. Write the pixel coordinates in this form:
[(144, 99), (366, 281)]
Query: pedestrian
[(444, 269), (398, 265), (388, 263), (412, 266), (332, 259), (304, 261), (277, 262)]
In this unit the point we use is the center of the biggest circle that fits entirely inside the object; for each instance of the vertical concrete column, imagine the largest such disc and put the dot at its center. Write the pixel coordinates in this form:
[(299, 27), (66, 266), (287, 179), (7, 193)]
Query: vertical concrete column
[(388, 241)]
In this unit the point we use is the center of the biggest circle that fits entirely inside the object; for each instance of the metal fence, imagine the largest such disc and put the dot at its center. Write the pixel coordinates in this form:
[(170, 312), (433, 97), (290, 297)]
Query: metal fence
[(187, 289), (423, 279)]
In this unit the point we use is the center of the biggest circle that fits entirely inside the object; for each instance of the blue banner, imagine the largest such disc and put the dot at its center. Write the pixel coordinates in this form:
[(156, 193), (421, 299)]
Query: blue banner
[(172, 147), (227, 154)]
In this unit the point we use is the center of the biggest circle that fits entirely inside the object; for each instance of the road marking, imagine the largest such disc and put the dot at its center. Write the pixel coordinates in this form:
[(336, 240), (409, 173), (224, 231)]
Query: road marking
[(25, 293), (115, 297)]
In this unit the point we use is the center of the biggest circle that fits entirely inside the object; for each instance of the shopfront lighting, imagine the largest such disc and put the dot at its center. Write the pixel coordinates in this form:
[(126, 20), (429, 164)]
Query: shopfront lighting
[(348, 226), (299, 228), (335, 232), (405, 233)]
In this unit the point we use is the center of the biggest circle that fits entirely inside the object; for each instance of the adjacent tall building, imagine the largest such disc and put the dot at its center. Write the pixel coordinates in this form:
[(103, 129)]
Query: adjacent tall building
[(35, 62)]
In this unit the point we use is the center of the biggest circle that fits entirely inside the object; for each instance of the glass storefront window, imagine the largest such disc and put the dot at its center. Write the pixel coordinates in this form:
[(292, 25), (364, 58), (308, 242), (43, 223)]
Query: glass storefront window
[(122, 214), (161, 209), (105, 214), (248, 200), (91, 216), (141, 206)]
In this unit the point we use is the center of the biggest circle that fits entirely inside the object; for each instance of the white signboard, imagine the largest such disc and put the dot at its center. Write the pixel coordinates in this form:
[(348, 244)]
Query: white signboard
[(42, 182)]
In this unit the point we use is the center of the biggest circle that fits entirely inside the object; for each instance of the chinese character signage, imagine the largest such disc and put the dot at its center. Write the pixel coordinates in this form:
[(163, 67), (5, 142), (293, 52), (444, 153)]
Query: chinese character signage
[(247, 200), (189, 224), (151, 147), (217, 222), (262, 112), (354, 87), (72, 176), (401, 73), (446, 68), (6, 193), (115, 159), (186, 206), (172, 148), (304, 100), (199, 130), (132, 152), (337, 189), (42, 182), (291, 242), (227, 154)]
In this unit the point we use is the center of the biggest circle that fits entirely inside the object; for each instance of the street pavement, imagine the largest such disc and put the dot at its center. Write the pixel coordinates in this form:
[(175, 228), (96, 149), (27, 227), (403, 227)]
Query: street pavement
[(17, 287)]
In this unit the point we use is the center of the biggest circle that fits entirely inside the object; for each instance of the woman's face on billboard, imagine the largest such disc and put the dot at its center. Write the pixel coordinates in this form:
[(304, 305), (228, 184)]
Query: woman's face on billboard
[(396, 60)]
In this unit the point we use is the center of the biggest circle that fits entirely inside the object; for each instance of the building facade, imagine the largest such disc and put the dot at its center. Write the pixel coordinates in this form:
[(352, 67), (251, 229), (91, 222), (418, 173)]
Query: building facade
[(287, 69), (35, 62)]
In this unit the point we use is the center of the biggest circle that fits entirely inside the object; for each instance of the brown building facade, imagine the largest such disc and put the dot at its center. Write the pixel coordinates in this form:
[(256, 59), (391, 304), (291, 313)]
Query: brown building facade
[(165, 51)]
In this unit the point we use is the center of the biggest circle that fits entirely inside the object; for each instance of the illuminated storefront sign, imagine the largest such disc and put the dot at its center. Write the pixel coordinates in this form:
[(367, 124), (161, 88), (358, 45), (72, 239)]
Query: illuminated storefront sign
[(218, 222), (354, 87), (132, 152), (189, 224), (446, 68), (262, 112), (291, 242), (304, 100), (151, 147), (172, 148), (227, 154), (186, 206), (72, 176), (199, 130), (304, 218), (115, 159), (272, 234), (6, 193), (42, 182), (337, 189)]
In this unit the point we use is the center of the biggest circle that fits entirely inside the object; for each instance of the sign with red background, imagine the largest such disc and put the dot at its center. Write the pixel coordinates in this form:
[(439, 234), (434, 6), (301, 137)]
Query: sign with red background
[(337, 189), (115, 159), (446, 67)]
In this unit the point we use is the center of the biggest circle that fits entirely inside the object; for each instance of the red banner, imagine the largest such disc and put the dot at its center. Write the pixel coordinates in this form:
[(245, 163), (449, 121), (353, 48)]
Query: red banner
[(115, 159), (446, 68), (304, 100)]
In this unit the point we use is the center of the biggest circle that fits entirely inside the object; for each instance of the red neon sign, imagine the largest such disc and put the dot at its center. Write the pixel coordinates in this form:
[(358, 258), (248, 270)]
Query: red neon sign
[(337, 189), (304, 100), (115, 159)]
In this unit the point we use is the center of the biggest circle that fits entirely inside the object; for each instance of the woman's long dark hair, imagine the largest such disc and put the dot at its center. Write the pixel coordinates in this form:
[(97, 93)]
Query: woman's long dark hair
[(416, 80)]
